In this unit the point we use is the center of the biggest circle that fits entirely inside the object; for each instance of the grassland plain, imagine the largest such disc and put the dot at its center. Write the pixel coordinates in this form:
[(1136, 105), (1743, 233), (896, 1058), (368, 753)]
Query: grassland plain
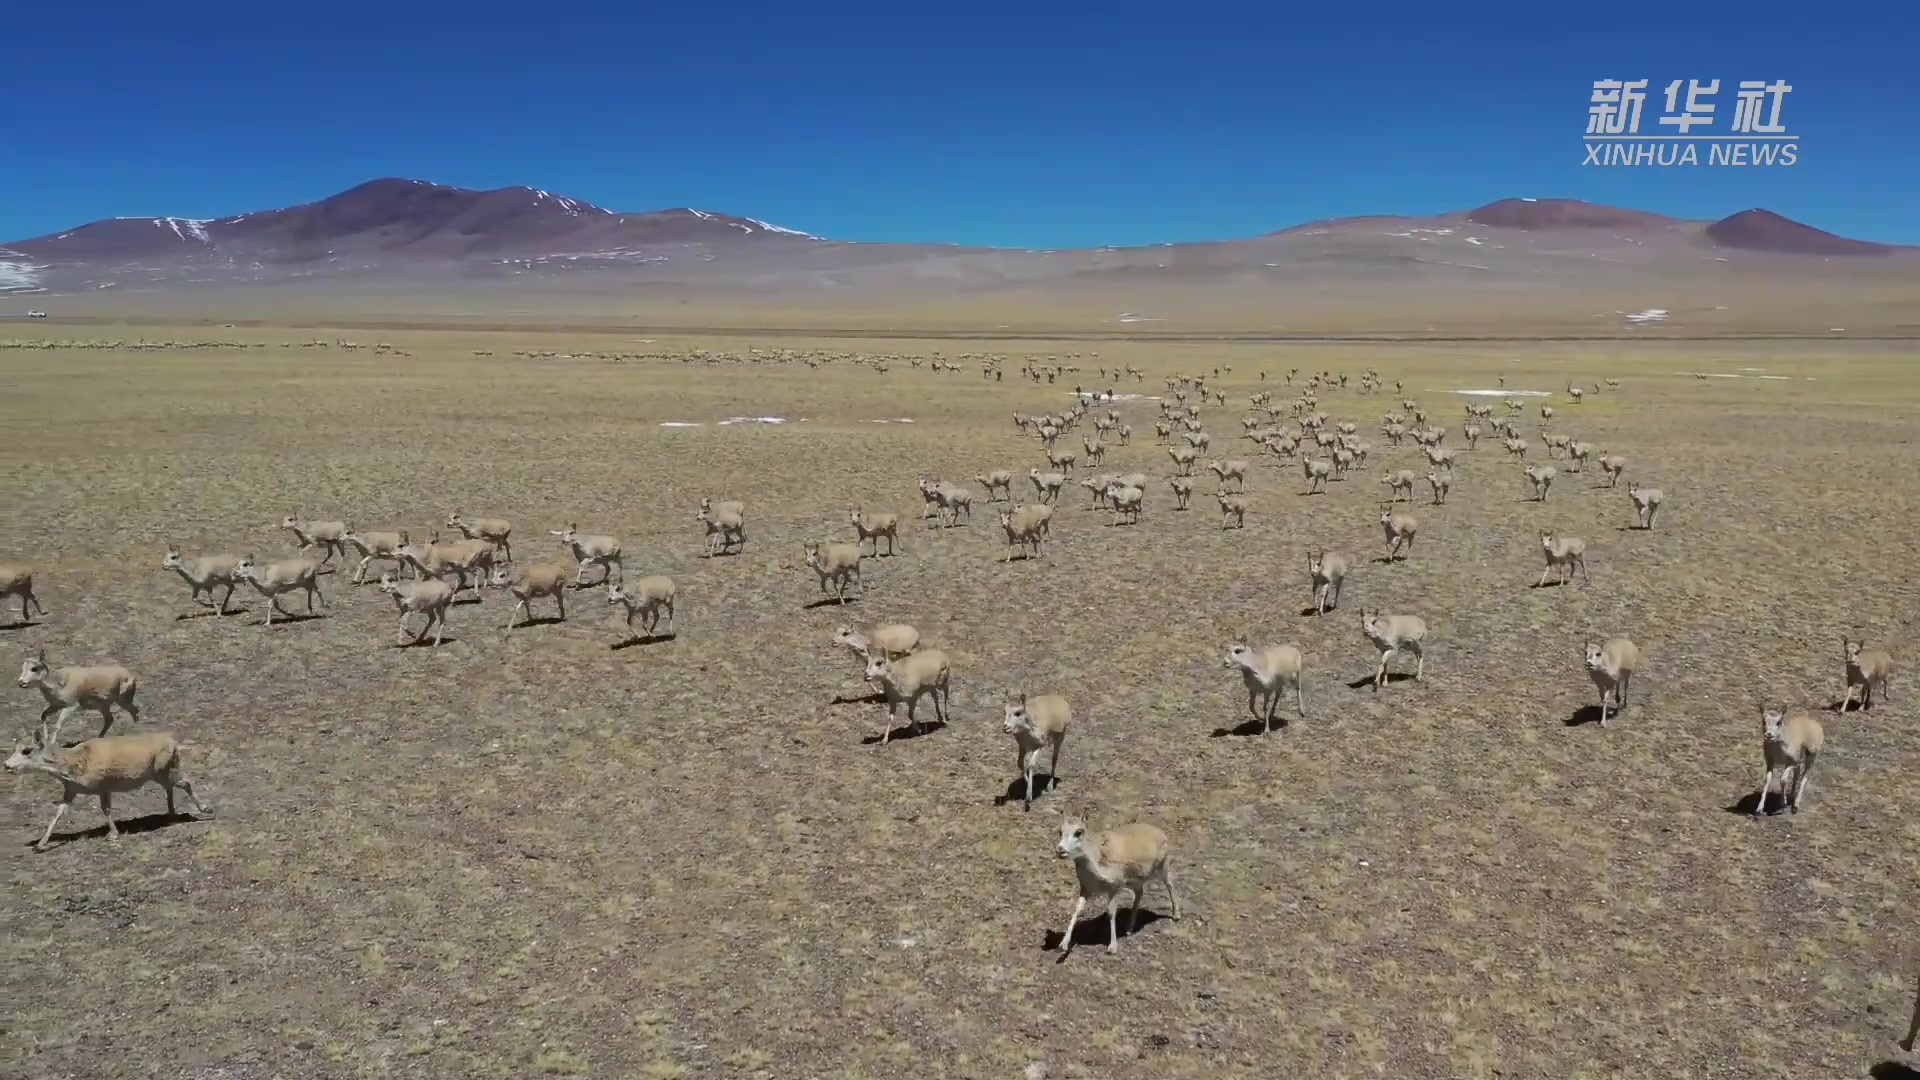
[(537, 854)]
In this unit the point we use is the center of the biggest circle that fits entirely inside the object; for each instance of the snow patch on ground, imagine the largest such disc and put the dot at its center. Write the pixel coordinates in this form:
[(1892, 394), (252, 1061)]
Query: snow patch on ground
[(779, 229), (1101, 398), (900, 420), (753, 420), (677, 423), (1730, 375), (1651, 315), (185, 228), (1494, 393), (19, 276)]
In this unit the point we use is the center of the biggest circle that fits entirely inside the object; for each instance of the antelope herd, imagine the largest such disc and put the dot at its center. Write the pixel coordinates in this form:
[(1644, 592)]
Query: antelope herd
[(426, 578)]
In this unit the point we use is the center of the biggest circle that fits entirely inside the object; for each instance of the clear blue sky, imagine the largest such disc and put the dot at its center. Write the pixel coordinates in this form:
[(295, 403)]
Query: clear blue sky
[(1041, 124)]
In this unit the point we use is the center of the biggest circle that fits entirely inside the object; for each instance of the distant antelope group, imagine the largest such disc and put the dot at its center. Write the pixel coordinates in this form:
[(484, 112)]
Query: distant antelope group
[(426, 577)]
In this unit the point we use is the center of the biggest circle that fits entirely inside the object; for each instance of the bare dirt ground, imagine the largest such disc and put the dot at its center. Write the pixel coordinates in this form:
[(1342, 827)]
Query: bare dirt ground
[(539, 854)]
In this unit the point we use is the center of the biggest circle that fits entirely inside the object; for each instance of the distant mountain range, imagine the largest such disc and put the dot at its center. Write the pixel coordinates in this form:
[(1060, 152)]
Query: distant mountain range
[(397, 230)]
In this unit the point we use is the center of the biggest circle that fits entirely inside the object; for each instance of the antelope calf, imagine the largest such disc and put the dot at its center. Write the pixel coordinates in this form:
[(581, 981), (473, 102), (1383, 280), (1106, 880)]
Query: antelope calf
[(1026, 528), (923, 674), (1400, 483), (590, 550), (203, 575), (649, 597), (1612, 465), (1564, 554), (1234, 508), (838, 563), (375, 545), (1866, 668), (1541, 477), (1317, 471), (1267, 673), (279, 577), (322, 534), (726, 527), (1399, 529), (1646, 502), (1611, 668), (1116, 862), (1328, 573), (17, 581), (1233, 469), (1037, 724), (1789, 741), (1126, 501), (871, 527), (70, 689), (1393, 634), (528, 582), (427, 596), (999, 480), (495, 531), (104, 767)]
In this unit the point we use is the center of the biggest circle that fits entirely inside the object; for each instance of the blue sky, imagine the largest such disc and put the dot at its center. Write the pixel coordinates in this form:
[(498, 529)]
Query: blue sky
[(1042, 125)]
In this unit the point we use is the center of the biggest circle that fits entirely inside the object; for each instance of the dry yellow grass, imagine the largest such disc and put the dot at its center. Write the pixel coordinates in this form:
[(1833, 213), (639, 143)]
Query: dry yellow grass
[(537, 854)]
